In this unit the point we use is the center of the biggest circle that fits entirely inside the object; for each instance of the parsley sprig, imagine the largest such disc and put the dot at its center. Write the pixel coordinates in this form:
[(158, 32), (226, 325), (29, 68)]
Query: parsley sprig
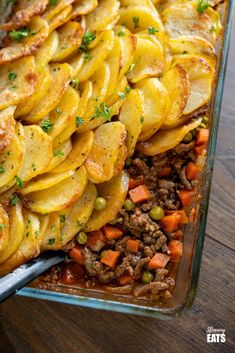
[(202, 6), (102, 111), (87, 38)]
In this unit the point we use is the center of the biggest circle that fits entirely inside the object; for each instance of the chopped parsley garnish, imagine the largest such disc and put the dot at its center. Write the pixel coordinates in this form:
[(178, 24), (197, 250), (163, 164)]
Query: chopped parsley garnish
[(13, 88), (9, 2), (58, 154), (74, 83), (152, 30), (19, 182), (62, 218), (79, 121), (53, 2), (87, 57), (136, 21), (19, 34), (121, 95), (121, 33), (14, 200), (142, 119), (47, 125), (127, 90), (2, 226), (79, 224), (12, 76), (213, 27), (51, 241), (2, 169), (202, 6), (87, 38), (102, 111), (58, 111)]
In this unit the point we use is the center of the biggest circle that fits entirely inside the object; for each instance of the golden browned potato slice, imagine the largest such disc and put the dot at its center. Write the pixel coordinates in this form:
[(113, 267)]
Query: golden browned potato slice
[(95, 57), (45, 53), (10, 161), (114, 192), (201, 77), (83, 8), (52, 236), (61, 75), (81, 147), (104, 14), (147, 3), (155, 105), (163, 141), (29, 246), (19, 46), (114, 61), (45, 182), (120, 161), (54, 10), (4, 229), (102, 157), (16, 231), (122, 88), (43, 83), (137, 18), (182, 18), (70, 38), (76, 62), (59, 155), (59, 196), (79, 214), (177, 83), (65, 112), (191, 44), (60, 18), (23, 11), (38, 152), (17, 81), (130, 115), (148, 60), (7, 126)]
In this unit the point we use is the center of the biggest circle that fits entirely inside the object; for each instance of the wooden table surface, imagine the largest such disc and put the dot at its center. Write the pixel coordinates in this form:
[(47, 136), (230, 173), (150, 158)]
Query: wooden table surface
[(36, 326)]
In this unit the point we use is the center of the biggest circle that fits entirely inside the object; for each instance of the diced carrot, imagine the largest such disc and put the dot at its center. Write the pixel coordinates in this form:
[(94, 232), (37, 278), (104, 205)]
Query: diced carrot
[(112, 232), (110, 259), (132, 245), (176, 250), (191, 171), (165, 172), (202, 136), (158, 261), (182, 213), (94, 236), (178, 235), (192, 215), (125, 279), (186, 197), (76, 254), (170, 223), (198, 149), (133, 183), (140, 193)]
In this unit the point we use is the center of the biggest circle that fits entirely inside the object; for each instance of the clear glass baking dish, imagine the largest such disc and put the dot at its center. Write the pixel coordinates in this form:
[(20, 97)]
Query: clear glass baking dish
[(189, 267)]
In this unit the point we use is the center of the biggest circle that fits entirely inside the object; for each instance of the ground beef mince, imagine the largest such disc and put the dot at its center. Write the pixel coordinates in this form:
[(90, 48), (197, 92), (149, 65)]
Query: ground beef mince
[(145, 269)]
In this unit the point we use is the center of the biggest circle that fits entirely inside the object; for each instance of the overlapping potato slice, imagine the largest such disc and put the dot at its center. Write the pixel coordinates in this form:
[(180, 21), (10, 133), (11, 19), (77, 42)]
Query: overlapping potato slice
[(130, 115), (52, 236), (60, 18), (4, 229), (59, 196), (45, 181), (79, 214), (163, 141), (201, 78), (114, 61), (76, 62), (45, 53), (121, 90), (114, 192), (147, 3), (191, 44), (59, 155), (56, 8), (43, 83), (137, 18), (35, 35), (23, 11), (155, 105), (64, 114), (38, 152), (177, 83), (99, 19), (29, 246), (61, 75), (182, 18), (17, 81), (70, 38), (16, 231), (83, 8), (102, 157), (148, 60), (81, 147), (7, 126), (95, 57)]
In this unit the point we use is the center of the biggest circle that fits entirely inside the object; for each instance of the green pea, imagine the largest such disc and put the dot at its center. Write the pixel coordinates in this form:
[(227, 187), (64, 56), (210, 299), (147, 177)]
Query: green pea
[(156, 213), (82, 238), (103, 253), (128, 162), (194, 132), (205, 120), (129, 205), (147, 277), (202, 126), (100, 204), (188, 137)]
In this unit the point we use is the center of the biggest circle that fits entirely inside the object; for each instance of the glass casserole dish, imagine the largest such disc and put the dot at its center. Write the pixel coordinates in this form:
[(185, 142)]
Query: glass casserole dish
[(188, 270)]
